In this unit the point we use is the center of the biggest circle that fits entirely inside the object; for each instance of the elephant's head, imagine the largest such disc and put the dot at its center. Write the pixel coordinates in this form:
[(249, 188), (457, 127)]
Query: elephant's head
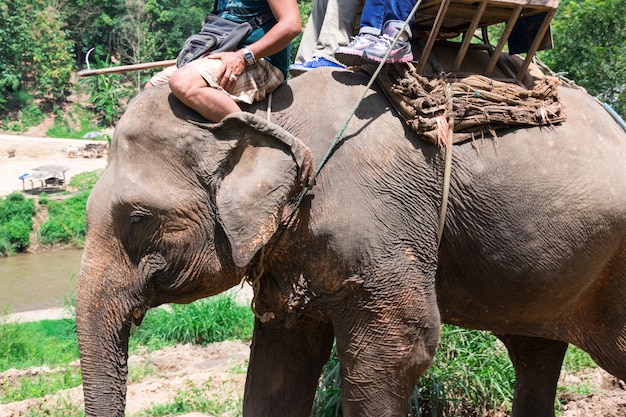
[(179, 213)]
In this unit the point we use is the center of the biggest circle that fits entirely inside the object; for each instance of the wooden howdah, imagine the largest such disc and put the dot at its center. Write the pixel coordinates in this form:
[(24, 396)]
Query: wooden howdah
[(439, 21)]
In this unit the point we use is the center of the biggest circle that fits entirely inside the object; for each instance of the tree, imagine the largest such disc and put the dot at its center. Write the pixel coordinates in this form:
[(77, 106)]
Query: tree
[(15, 36), (34, 50), (52, 60), (590, 48), (172, 22)]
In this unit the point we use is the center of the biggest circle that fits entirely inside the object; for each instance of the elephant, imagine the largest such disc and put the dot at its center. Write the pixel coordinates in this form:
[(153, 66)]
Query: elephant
[(341, 242)]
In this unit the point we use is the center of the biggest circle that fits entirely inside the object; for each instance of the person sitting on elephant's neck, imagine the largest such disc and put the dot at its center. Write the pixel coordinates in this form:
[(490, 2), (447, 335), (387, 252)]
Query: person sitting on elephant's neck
[(213, 85)]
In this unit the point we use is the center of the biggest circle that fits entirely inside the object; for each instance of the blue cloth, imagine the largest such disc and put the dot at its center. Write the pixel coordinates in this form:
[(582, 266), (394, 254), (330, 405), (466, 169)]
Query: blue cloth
[(242, 11), (377, 12)]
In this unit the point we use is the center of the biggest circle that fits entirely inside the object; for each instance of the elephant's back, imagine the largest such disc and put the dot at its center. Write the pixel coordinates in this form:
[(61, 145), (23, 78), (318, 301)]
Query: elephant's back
[(585, 152), (533, 216)]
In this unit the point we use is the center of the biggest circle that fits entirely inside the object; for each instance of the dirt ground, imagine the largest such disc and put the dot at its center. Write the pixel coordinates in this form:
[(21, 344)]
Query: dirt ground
[(20, 154), (221, 368), (221, 365)]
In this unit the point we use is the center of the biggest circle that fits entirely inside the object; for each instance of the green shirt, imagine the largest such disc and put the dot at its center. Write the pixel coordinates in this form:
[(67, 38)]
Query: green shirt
[(242, 11)]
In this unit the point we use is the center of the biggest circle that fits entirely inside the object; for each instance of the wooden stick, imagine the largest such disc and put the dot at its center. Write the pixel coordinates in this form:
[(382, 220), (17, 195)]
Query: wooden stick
[(126, 68)]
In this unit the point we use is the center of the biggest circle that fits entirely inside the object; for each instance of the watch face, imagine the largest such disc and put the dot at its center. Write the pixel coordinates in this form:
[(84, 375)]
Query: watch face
[(247, 55)]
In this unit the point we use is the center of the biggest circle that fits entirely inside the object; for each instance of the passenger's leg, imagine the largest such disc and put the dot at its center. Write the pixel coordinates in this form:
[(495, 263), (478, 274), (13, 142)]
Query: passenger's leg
[(191, 88)]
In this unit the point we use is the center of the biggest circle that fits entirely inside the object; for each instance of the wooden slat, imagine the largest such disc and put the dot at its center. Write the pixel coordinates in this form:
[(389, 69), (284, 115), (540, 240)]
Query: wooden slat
[(535, 45), (432, 37), (469, 34), (505, 36)]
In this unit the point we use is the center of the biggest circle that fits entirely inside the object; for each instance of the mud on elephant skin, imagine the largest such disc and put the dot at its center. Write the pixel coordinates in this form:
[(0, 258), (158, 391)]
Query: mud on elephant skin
[(533, 249)]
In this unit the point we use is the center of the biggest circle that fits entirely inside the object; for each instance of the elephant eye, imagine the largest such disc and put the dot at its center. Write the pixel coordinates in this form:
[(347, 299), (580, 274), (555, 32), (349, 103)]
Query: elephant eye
[(137, 217)]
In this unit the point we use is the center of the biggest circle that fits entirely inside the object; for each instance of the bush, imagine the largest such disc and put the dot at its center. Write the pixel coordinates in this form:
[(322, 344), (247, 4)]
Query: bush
[(32, 116), (108, 95), (16, 222), (590, 48), (66, 222), (73, 123)]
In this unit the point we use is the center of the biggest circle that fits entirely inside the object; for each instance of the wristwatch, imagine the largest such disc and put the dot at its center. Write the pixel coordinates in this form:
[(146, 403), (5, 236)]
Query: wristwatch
[(248, 56)]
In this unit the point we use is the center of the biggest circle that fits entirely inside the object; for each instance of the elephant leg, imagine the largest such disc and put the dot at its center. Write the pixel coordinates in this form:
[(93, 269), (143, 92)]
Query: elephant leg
[(537, 363), (285, 365), (383, 349)]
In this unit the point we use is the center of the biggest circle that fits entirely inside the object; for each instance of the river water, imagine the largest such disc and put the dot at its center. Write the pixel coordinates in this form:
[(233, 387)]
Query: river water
[(37, 281)]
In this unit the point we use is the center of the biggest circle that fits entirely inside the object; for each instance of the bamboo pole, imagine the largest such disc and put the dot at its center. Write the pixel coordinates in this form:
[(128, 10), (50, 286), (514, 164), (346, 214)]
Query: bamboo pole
[(127, 68)]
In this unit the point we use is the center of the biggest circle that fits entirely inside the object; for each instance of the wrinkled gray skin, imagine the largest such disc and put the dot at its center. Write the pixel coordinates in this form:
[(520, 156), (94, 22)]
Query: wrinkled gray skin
[(534, 244)]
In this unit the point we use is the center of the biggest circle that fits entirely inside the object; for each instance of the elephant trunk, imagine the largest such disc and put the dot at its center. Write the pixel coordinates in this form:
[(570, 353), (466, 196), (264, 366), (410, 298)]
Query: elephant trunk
[(103, 326)]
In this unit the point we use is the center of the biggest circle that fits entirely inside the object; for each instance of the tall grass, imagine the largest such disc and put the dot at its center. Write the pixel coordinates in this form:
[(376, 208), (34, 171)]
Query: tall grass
[(53, 344), (471, 371), (202, 322), (48, 342), (32, 345)]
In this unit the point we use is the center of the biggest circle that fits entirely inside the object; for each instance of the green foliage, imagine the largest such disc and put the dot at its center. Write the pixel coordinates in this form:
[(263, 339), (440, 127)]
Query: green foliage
[(202, 322), (34, 49), (16, 222), (577, 360), (173, 22), (65, 224), (51, 53), (590, 48), (72, 124), (471, 370), (107, 94), (54, 344), (85, 180), (66, 221), (48, 342), (305, 7), (32, 116), (328, 397), (39, 385), (15, 35)]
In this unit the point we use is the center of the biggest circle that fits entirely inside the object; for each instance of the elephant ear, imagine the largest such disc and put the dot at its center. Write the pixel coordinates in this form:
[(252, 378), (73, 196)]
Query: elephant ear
[(260, 174)]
